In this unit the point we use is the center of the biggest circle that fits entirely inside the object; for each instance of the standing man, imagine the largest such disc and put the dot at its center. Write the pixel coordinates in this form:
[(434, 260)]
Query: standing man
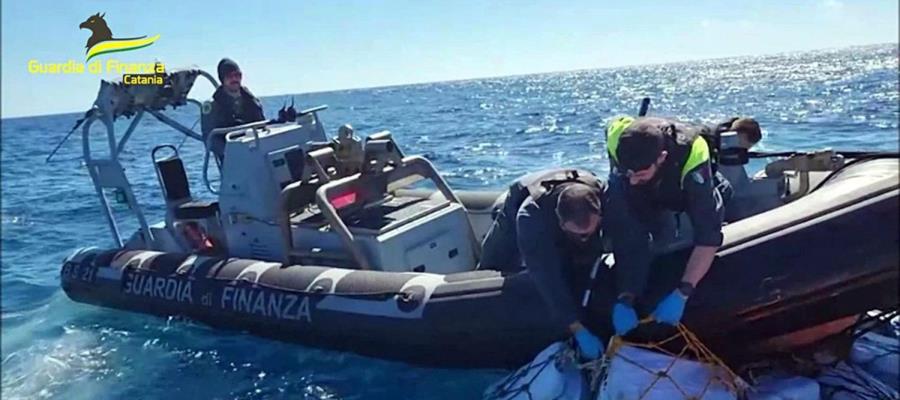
[(550, 223), (659, 165), (232, 104)]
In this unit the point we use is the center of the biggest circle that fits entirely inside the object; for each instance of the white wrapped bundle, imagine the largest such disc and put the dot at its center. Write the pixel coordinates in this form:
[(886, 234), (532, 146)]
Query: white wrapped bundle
[(636, 373), (552, 375)]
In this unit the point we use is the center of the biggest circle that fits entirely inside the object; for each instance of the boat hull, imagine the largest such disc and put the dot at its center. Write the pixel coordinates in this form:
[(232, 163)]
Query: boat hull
[(824, 257)]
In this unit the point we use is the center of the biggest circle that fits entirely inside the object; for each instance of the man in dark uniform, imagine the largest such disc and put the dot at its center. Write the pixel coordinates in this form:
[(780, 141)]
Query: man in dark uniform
[(659, 165), (549, 223), (233, 104)]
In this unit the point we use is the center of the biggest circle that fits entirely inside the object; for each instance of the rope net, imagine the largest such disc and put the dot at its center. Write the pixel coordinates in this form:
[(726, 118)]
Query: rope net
[(692, 348), (846, 365), (557, 374), (523, 384), (667, 369)]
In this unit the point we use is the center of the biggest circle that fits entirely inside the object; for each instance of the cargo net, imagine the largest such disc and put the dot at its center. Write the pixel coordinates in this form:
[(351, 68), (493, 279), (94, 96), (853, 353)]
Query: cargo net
[(866, 372), (692, 372), (530, 381), (628, 370)]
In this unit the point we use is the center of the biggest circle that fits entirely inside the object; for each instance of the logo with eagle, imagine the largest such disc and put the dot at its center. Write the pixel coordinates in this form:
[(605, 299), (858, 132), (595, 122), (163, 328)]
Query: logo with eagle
[(103, 42)]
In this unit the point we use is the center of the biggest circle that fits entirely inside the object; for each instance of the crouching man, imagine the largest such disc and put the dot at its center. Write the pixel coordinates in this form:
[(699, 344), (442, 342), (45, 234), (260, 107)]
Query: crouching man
[(550, 225)]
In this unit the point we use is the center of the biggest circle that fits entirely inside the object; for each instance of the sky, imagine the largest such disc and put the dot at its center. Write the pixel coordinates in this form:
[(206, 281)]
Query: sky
[(311, 45)]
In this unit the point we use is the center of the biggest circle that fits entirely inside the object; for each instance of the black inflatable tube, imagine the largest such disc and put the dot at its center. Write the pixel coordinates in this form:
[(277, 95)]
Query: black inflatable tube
[(815, 261)]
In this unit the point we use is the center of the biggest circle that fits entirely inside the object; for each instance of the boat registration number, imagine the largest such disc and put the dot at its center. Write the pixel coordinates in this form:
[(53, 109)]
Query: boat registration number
[(79, 272)]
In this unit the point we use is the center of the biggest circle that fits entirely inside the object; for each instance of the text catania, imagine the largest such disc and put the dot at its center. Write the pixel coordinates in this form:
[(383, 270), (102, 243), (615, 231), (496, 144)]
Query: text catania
[(159, 287), (266, 303), (142, 79)]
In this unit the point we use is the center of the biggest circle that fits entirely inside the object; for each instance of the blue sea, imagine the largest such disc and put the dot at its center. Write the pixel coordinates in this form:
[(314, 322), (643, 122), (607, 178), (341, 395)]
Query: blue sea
[(480, 133)]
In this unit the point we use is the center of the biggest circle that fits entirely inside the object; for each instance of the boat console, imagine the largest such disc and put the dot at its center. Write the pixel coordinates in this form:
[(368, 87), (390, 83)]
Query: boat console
[(289, 195)]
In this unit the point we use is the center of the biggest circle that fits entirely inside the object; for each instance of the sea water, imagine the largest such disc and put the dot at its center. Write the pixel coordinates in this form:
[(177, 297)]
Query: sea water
[(480, 134)]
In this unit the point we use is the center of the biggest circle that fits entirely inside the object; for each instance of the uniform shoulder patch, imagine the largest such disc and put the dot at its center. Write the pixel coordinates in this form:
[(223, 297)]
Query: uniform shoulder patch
[(206, 107), (698, 176)]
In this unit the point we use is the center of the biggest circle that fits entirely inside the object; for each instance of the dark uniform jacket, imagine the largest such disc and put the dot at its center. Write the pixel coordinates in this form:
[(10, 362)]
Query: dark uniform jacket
[(232, 111), (228, 110), (527, 231), (634, 212)]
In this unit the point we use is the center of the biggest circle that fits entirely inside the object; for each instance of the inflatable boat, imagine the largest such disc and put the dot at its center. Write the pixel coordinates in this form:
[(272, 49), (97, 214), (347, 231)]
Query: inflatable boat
[(349, 244)]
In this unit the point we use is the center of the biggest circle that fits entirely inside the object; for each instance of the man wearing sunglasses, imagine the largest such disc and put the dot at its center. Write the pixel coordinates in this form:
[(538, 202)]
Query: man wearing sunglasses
[(232, 104), (659, 165), (550, 224)]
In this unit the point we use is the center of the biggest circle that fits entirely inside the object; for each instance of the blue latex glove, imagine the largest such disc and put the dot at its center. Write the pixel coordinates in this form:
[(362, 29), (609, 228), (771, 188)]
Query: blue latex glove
[(588, 344), (670, 309), (624, 318)]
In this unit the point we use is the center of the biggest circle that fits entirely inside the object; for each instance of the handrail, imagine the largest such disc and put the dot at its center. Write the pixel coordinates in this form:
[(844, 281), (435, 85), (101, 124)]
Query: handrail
[(176, 125), (127, 135), (88, 160), (228, 129), (239, 133), (413, 165), (224, 131), (209, 77), (337, 223), (206, 166), (426, 167), (314, 157), (312, 110), (95, 178), (96, 167)]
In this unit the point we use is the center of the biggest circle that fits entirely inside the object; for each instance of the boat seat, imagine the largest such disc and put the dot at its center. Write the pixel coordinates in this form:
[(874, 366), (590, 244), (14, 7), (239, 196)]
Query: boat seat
[(173, 179), (196, 210), (176, 189)]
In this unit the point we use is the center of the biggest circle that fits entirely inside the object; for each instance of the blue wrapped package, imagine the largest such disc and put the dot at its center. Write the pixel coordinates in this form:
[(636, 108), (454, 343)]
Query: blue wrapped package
[(784, 388), (878, 355), (635, 373), (847, 381)]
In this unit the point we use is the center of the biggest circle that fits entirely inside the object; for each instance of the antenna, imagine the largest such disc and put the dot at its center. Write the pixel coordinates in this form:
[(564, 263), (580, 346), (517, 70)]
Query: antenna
[(645, 106)]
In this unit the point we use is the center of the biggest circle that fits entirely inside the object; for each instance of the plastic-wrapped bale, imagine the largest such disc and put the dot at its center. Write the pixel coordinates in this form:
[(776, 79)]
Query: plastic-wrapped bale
[(640, 374), (784, 388), (552, 375), (851, 382), (879, 355)]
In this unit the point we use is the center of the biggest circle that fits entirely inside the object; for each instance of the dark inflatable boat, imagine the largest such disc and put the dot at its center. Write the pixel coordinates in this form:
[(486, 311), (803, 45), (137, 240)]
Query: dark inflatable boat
[(341, 256), (826, 256)]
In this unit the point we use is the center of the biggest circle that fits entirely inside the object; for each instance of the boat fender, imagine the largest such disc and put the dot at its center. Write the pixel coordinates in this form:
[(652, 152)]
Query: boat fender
[(409, 299), (323, 285)]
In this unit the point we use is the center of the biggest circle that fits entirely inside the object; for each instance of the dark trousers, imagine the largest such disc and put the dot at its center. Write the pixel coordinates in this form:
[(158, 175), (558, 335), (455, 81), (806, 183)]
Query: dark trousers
[(499, 249)]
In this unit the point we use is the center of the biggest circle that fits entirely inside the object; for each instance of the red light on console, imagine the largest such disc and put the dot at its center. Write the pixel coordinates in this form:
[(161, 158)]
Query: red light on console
[(344, 200)]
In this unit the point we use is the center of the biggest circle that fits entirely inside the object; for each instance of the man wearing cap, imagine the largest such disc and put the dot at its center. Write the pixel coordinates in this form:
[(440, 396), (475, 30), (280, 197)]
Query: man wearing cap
[(659, 165), (550, 224), (232, 104)]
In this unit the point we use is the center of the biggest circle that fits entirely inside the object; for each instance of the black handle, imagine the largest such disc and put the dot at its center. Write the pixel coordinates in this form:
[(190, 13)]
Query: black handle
[(645, 106)]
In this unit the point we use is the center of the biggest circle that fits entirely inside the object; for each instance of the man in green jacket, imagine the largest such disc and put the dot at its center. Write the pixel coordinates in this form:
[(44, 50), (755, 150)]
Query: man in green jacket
[(659, 165)]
